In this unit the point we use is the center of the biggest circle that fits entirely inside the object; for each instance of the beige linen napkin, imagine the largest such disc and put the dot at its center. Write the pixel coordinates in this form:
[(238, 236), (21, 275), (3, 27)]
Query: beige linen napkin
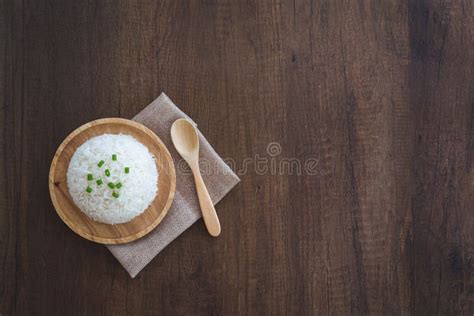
[(219, 179)]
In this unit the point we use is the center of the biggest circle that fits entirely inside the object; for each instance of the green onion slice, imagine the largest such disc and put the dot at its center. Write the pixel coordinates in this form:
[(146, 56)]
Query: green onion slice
[(111, 185), (118, 185), (115, 194), (114, 157), (127, 169), (88, 189), (90, 177), (101, 163), (107, 172), (99, 182)]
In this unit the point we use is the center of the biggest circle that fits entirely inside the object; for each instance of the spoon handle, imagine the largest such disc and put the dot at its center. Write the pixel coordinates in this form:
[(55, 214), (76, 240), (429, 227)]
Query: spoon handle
[(207, 207)]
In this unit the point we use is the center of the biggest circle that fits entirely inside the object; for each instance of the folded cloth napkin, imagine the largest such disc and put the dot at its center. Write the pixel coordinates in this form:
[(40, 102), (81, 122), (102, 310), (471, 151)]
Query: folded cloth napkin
[(185, 210)]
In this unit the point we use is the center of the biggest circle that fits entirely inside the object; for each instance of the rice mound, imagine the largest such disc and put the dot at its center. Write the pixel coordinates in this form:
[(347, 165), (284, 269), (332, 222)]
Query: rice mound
[(139, 185)]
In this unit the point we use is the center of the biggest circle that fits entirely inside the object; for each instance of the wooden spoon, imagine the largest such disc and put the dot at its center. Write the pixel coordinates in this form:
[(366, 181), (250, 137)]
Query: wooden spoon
[(186, 142)]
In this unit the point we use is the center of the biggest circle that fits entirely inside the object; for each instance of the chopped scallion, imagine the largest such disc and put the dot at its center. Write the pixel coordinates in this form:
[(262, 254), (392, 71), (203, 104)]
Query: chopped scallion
[(115, 194), (88, 189), (111, 185), (107, 172), (114, 157), (101, 163), (99, 182), (118, 185), (90, 177), (127, 169)]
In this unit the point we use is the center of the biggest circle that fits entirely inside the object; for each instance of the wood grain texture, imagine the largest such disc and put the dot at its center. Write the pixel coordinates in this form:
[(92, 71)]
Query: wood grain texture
[(80, 222), (379, 93)]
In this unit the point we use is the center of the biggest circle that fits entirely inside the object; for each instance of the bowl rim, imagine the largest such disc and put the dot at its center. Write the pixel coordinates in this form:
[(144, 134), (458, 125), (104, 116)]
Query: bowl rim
[(105, 240)]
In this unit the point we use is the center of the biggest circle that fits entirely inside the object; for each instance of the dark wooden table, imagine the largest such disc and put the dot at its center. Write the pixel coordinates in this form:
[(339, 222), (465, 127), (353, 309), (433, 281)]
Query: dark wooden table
[(378, 95)]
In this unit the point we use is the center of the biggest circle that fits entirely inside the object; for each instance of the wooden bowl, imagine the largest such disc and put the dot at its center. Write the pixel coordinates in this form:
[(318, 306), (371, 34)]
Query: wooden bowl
[(105, 233)]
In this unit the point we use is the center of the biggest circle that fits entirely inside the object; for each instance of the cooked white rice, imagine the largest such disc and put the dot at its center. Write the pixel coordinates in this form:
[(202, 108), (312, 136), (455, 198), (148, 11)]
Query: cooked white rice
[(139, 186)]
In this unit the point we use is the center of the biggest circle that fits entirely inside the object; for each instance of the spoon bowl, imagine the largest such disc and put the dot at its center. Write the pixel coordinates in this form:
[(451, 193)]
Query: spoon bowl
[(185, 139)]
